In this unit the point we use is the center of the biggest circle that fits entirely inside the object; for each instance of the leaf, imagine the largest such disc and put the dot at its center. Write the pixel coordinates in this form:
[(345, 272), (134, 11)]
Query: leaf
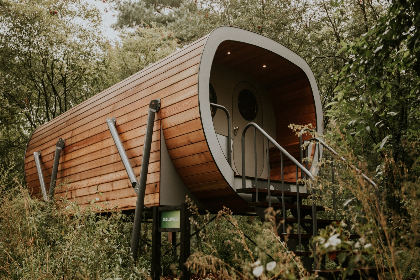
[(384, 141), (350, 270), (342, 257), (347, 201)]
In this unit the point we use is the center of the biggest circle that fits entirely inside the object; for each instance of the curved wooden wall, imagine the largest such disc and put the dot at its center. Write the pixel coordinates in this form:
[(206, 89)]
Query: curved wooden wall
[(91, 165), (90, 162)]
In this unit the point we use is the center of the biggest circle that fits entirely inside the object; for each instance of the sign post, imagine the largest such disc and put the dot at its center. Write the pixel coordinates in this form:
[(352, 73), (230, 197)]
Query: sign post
[(171, 219)]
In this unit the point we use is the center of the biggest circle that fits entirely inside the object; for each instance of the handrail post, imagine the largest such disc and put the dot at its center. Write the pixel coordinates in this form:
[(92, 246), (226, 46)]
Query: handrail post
[(243, 157), (59, 146), (255, 158), (154, 107), (333, 186), (268, 174), (282, 194), (298, 208), (229, 144)]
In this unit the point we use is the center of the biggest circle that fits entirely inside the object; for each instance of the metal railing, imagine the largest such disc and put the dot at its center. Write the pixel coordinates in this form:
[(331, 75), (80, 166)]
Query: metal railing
[(229, 144), (290, 157)]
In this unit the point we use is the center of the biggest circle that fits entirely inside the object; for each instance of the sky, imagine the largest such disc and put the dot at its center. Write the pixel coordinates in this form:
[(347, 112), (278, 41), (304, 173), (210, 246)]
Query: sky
[(109, 17)]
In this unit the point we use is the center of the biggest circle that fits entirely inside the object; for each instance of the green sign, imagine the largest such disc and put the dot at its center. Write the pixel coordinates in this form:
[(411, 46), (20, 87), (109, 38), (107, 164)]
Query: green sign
[(170, 219)]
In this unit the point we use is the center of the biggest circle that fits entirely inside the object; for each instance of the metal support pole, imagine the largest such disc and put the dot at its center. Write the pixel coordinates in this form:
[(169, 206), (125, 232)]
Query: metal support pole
[(268, 173), (301, 155), (59, 146), (314, 226), (333, 187), (298, 208), (156, 245), (40, 176), (154, 107), (229, 144), (185, 242), (256, 160), (282, 195), (111, 125)]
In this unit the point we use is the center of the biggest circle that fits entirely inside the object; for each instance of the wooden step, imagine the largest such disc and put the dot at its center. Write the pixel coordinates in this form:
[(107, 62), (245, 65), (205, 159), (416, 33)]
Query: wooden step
[(306, 221), (358, 272), (273, 180), (309, 253), (308, 235), (273, 192), (288, 206)]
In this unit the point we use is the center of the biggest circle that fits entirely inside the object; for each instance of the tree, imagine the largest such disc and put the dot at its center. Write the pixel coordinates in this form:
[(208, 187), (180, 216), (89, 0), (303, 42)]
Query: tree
[(377, 101), (51, 58), (313, 29), (138, 49), (146, 12)]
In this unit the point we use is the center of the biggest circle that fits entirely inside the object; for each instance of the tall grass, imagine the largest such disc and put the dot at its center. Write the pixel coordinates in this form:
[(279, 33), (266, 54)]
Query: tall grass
[(59, 240)]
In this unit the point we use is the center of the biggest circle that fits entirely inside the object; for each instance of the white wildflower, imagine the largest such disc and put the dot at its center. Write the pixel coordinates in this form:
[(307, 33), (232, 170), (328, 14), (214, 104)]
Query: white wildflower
[(258, 271), (271, 265), (368, 246), (257, 263), (333, 241)]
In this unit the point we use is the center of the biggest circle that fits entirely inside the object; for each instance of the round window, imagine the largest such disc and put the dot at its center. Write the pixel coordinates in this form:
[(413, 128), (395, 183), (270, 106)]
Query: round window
[(247, 105), (213, 99)]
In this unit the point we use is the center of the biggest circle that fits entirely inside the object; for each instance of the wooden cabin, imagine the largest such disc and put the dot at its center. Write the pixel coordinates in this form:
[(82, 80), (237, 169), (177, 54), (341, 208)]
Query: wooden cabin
[(254, 78)]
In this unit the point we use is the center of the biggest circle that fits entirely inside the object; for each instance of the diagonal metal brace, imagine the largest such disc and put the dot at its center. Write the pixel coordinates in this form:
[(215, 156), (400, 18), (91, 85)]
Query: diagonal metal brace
[(154, 107), (40, 176), (59, 146), (111, 125)]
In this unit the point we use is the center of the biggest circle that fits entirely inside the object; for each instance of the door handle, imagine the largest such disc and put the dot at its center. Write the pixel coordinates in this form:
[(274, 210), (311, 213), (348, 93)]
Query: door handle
[(235, 130)]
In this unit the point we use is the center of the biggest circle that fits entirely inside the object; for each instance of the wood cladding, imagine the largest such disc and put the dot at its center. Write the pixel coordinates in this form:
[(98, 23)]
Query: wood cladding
[(90, 164), (289, 90)]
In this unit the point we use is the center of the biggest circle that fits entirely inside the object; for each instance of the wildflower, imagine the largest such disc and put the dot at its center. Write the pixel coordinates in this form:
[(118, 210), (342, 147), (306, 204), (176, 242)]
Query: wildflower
[(333, 241), (258, 271), (271, 265), (257, 263)]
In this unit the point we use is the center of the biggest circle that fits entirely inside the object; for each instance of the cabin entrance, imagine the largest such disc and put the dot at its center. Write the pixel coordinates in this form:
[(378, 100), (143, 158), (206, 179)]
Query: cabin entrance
[(247, 107)]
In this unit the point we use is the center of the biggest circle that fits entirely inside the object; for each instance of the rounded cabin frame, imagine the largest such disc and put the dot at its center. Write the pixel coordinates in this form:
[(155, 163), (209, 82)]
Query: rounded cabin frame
[(188, 155)]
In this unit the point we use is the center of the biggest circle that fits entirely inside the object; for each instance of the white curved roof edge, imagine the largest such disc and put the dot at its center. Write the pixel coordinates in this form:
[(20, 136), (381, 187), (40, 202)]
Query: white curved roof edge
[(215, 38)]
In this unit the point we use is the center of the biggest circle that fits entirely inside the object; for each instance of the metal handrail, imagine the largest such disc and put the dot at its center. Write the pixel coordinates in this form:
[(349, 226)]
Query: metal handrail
[(336, 154), (283, 151), (309, 174), (229, 144)]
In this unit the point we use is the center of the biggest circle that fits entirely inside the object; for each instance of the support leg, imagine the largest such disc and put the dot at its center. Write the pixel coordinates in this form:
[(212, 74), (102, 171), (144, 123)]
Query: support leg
[(154, 107), (40, 175), (58, 148), (111, 125), (185, 242), (156, 245)]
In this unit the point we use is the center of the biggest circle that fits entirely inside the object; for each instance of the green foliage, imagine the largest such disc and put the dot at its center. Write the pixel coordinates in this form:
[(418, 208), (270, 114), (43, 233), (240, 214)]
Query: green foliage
[(138, 50), (240, 247), (147, 12), (59, 240), (51, 57), (377, 104)]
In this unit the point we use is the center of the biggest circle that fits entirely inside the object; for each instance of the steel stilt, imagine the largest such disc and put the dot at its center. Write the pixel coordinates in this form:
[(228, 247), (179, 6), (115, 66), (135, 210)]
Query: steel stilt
[(154, 107), (59, 146)]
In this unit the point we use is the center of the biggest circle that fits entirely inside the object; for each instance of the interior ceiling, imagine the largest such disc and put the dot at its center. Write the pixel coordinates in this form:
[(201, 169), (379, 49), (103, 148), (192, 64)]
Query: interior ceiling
[(286, 83)]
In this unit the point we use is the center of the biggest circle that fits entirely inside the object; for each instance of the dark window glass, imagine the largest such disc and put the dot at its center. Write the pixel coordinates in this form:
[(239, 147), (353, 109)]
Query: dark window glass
[(213, 99), (247, 105)]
